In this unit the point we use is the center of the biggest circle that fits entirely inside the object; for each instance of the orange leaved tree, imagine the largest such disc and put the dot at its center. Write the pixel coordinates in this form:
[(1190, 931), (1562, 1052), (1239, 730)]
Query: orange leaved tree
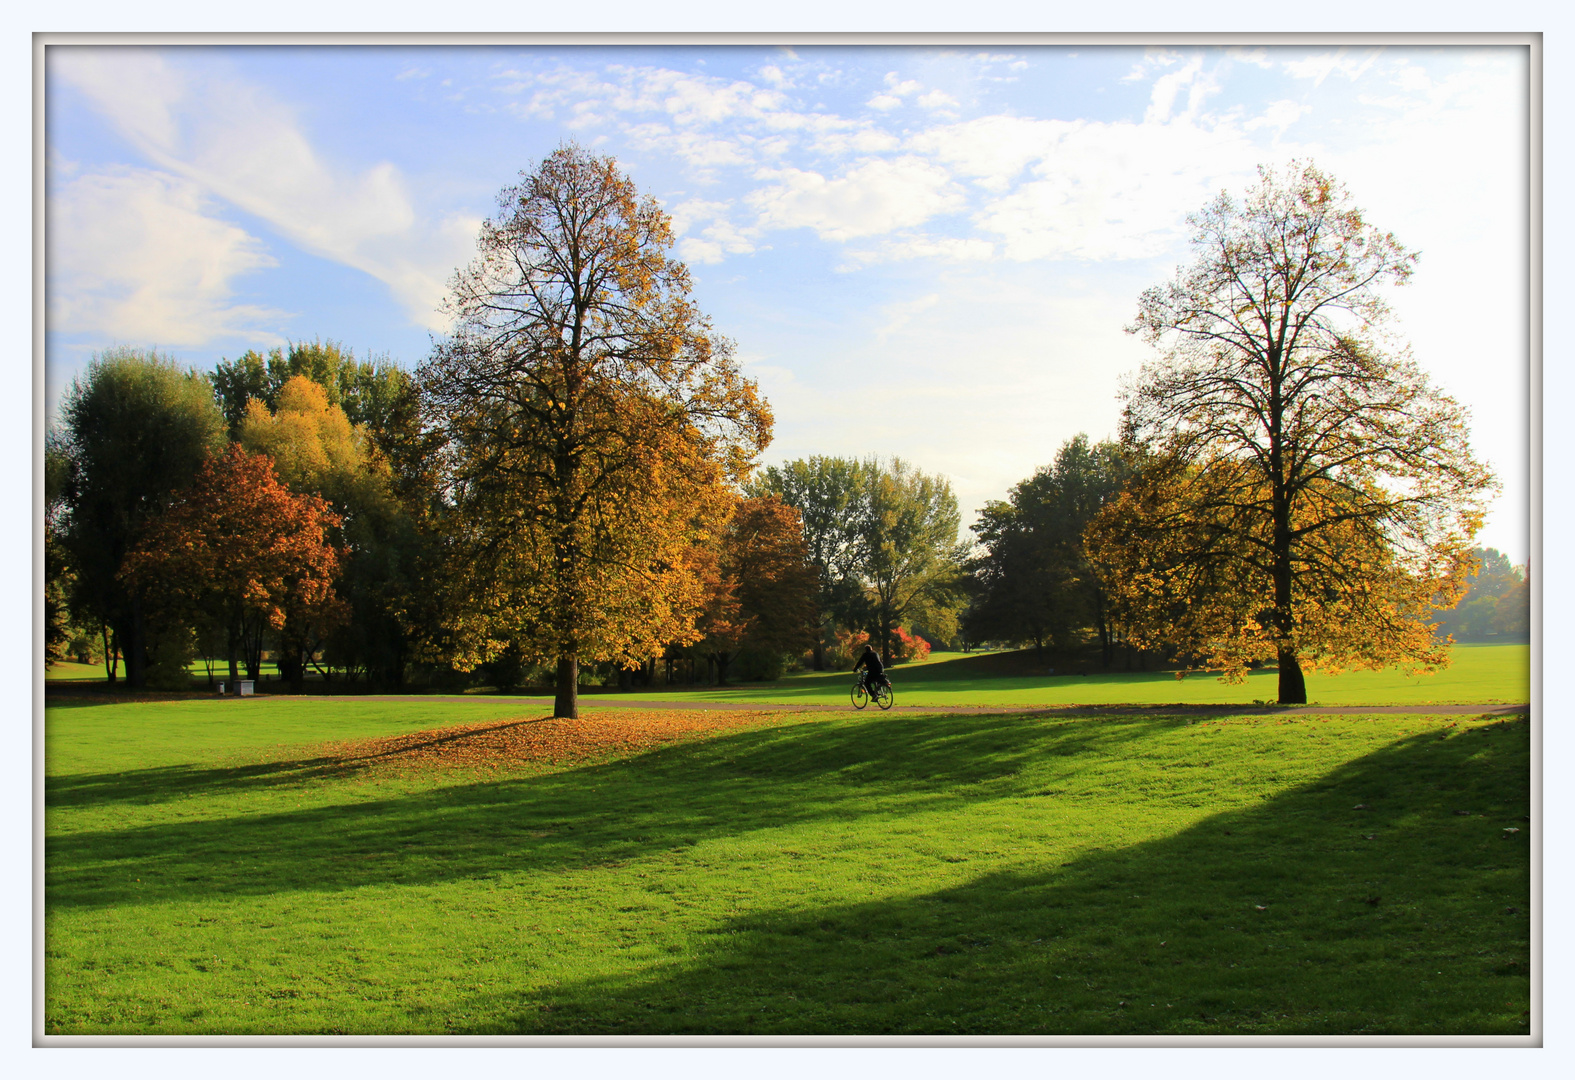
[(241, 547), (592, 421), (761, 585)]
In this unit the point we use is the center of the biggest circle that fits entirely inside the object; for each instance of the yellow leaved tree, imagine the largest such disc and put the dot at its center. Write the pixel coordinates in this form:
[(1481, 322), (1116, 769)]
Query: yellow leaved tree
[(593, 423), (1302, 495)]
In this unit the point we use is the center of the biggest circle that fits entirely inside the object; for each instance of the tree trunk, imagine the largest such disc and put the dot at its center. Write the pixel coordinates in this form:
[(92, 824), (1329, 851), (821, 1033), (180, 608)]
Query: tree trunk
[(136, 648), (566, 705), (234, 636), (111, 653), (291, 667), (1293, 687)]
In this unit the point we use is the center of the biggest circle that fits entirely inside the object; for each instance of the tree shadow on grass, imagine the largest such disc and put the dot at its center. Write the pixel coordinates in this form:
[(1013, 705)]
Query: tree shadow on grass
[(667, 799), (1301, 915), (156, 785)]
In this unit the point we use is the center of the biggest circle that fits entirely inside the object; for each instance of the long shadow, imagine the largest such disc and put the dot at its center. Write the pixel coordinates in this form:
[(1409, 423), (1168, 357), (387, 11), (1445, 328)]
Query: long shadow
[(156, 785), (1301, 915), (667, 799)]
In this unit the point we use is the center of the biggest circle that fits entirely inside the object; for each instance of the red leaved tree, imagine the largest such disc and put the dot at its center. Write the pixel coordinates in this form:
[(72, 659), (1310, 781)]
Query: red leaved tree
[(762, 588), (239, 547)]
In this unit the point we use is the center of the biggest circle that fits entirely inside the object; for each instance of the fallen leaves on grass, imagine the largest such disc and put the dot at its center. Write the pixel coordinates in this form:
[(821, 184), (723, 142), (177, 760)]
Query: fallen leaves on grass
[(526, 741)]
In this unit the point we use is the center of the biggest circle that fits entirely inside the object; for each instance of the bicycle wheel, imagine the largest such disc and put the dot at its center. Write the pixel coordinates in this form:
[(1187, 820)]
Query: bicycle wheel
[(860, 698), (887, 698)]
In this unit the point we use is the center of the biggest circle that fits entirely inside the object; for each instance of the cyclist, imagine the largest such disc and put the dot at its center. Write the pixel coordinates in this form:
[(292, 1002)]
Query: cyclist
[(874, 674)]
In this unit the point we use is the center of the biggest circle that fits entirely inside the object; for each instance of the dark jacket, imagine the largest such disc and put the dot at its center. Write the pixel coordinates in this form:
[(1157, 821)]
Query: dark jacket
[(869, 660)]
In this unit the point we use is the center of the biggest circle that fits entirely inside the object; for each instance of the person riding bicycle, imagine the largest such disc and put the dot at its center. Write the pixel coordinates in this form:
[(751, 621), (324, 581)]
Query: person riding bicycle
[(874, 675)]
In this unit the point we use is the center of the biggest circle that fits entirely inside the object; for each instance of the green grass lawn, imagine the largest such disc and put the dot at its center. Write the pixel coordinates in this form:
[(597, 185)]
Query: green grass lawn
[(71, 671), (1477, 674), (827, 872)]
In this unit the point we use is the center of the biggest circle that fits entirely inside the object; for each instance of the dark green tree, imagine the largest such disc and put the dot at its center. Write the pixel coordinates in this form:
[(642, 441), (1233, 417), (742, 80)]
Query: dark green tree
[(1031, 575), (134, 430), (906, 553), (826, 492), (57, 572), (1496, 602)]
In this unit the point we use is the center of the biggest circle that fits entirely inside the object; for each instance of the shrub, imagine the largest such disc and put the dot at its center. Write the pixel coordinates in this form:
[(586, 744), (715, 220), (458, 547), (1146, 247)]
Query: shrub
[(908, 647), (759, 665), (170, 652)]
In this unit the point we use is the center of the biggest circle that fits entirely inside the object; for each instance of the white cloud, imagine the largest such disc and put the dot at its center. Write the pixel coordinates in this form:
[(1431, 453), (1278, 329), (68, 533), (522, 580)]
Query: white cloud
[(907, 248), (236, 142), (896, 90), (938, 99), (901, 314), (1153, 59), (707, 235), (1257, 57), (838, 143), (138, 255), (992, 149), (1318, 68), (1117, 191), (1279, 116), (876, 197), (1191, 78)]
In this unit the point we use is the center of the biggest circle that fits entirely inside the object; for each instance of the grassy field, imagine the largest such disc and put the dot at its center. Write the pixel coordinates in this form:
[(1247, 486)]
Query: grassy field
[(1477, 674), (213, 867)]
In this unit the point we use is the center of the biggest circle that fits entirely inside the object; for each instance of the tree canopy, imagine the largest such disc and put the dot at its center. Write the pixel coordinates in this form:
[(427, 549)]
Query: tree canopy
[(826, 492), (908, 557), (1305, 495), (1032, 575), (136, 426), (237, 543), (761, 586), (592, 420)]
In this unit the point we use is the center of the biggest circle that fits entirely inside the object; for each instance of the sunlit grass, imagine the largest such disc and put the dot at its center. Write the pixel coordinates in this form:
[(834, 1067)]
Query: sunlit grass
[(827, 873), (1478, 674)]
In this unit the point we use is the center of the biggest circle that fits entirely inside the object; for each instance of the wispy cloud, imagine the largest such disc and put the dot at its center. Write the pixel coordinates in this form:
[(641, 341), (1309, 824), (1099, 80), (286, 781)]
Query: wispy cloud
[(238, 143), (877, 196), (137, 255), (1342, 61)]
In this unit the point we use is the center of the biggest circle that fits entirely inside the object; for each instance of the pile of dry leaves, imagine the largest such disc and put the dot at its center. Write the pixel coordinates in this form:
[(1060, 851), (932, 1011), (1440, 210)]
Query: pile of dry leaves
[(495, 744)]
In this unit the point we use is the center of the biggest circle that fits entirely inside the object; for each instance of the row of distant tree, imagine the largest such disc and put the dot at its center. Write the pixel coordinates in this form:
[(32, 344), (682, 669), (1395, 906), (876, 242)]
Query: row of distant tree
[(288, 503), (293, 504), (571, 479)]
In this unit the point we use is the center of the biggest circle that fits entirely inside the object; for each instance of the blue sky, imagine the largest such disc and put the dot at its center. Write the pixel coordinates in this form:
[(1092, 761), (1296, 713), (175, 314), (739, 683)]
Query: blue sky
[(923, 252)]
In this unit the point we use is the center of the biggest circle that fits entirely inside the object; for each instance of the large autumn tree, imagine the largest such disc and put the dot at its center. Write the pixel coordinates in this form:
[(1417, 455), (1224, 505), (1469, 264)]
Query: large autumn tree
[(593, 422), (1304, 495), (240, 546)]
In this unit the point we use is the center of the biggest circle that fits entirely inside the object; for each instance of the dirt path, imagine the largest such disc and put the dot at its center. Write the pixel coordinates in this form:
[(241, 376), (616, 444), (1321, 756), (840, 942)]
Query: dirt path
[(1083, 710), (608, 701), (618, 701)]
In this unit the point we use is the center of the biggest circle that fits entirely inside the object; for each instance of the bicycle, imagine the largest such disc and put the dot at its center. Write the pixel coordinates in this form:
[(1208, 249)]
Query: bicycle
[(882, 694)]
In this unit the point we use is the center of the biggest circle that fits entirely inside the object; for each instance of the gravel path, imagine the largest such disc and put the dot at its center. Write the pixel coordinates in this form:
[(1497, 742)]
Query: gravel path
[(618, 701)]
